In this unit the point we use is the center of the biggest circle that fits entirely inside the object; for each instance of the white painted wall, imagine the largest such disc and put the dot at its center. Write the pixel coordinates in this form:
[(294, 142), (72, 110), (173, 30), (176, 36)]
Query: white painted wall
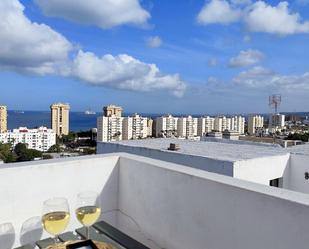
[(180, 208), (261, 170), (25, 186), (295, 174), (173, 206)]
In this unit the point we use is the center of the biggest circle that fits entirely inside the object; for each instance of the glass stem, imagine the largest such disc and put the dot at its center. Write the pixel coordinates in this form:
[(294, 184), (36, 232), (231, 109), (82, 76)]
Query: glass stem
[(55, 240), (88, 233)]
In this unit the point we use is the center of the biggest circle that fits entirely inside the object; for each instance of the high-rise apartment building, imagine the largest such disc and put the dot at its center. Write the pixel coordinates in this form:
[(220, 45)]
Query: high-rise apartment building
[(3, 118), (109, 128), (60, 118), (236, 123), (205, 125), (110, 125), (112, 110), (255, 123), (220, 123), (239, 124), (149, 127), (135, 127), (166, 126), (187, 127)]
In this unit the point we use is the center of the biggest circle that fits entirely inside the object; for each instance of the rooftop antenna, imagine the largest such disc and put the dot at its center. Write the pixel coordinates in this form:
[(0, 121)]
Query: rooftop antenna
[(275, 102)]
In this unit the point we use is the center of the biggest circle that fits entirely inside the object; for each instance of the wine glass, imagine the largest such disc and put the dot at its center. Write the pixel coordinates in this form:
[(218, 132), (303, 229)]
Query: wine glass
[(88, 209), (56, 216)]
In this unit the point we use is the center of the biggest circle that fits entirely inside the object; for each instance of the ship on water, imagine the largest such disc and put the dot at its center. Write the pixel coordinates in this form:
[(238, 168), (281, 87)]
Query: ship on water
[(89, 112)]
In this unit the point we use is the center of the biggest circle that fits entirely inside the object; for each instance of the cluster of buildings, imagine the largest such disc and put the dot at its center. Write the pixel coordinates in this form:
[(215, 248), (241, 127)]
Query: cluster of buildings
[(188, 127), (41, 138), (113, 127)]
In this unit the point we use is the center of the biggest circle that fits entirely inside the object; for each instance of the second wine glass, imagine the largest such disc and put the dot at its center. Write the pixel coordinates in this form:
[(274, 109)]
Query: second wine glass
[(88, 209)]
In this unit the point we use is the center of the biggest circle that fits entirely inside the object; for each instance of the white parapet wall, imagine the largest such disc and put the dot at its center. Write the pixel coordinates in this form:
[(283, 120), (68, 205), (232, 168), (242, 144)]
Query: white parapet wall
[(169, 205), (224, 167), (180, 207), (295, 174), (25, 186), (262, 170)]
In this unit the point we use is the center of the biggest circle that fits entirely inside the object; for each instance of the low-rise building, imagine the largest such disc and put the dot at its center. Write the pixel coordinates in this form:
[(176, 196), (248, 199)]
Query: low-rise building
[(40, 139)]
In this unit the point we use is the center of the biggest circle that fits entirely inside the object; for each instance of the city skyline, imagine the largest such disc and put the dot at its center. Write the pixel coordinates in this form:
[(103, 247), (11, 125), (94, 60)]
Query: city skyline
[(210, 56)]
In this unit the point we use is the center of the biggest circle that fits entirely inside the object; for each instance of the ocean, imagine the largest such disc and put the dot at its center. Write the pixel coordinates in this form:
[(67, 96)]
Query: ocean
[(79, 121), (31, 119)]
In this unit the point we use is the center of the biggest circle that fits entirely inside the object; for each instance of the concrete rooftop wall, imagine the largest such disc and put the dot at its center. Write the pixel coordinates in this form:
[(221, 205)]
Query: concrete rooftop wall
[(165, 205), (216, 166), (295, 173), (182, 208), (25, 186), (262, 170)]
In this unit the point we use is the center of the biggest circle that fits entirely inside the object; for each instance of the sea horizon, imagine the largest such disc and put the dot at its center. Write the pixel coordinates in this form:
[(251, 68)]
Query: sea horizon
[(79, 121)]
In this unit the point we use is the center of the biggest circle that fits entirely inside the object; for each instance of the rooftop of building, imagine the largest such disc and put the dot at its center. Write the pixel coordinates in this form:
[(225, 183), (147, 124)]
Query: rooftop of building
[(160, 204), (302, 149), (224, 150)]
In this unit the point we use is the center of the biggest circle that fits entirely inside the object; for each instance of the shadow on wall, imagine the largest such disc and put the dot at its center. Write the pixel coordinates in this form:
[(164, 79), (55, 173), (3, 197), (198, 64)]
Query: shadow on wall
[(112, 214), (7, 235), (31, 231)]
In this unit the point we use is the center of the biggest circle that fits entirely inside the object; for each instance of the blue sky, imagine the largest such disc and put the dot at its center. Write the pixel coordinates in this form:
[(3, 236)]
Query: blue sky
[(210, 56)]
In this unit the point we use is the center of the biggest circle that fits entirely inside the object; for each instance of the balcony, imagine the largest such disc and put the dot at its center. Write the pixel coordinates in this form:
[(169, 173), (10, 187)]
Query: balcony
[(160, 204)]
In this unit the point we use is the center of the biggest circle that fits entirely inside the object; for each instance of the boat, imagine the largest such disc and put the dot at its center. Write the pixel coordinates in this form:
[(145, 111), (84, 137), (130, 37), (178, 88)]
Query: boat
[(89, 112)]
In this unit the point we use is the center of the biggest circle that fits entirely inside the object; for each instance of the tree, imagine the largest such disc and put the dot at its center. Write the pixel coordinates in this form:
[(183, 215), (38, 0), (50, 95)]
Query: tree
[(20, 148), (67, 138), (6, 154), (29, 155), (54, 149)]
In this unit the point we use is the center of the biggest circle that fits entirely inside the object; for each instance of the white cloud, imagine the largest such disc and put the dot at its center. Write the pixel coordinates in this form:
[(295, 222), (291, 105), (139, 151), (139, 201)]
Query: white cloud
[(102, 13), (28, 46), (124, 72), (218, 11), (257, 17), (274, 20), (153, 42), (260, 78), (253, 77), (246, 58)]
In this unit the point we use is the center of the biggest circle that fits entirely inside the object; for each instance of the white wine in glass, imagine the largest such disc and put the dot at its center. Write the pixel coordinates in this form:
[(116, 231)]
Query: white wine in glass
[(56, 216), (88, 209)]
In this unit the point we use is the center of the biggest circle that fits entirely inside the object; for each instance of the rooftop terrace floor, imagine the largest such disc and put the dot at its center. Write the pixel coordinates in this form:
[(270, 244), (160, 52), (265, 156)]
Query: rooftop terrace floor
[(214, 150)]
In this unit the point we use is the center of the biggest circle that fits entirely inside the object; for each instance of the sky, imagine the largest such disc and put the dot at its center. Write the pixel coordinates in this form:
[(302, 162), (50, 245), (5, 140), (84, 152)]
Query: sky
[(155, 56)]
